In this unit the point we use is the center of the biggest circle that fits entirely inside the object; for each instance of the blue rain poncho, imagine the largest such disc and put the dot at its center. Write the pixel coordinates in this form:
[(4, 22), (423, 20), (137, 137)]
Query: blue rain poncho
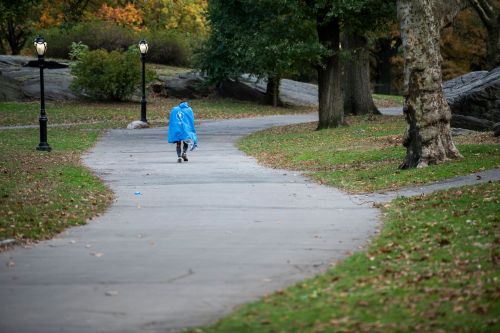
[(181, 125)]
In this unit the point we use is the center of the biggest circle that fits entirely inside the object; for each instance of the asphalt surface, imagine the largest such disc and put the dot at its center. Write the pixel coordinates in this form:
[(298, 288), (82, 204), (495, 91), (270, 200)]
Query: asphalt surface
[(184, 243)]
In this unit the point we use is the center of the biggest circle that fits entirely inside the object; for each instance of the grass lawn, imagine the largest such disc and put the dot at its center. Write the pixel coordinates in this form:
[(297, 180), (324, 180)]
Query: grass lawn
[(120, 114), (364, 156), (43, 193), (112, 115), (387, 101), (433, 268)]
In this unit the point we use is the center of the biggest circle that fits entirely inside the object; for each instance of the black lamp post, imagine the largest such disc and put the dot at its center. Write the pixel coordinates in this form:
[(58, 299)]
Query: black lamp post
[(41, 48), (143, 46)]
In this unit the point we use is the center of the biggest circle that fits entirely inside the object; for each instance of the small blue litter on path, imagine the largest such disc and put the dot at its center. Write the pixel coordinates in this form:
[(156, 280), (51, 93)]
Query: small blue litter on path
[(137, 193)]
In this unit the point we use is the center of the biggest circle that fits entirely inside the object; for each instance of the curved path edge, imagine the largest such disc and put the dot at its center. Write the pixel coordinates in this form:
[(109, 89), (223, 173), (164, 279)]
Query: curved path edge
[(184, 243), (475, 178)]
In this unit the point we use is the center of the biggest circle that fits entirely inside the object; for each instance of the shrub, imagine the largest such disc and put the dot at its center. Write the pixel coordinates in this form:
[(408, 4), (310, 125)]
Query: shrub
[(104, 75), (58, 42), (167, 47), (105, 35), (95, 34)]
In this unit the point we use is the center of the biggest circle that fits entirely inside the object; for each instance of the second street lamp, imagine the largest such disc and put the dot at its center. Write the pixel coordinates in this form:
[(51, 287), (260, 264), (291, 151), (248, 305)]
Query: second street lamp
[(41, 48), (143, 47)]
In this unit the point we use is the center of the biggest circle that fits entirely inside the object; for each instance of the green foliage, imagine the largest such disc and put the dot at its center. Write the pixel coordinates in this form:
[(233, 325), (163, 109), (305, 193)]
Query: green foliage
[(95, 34), (167, 47), (77, 50), (104, 75), (358, 16), (267, 38)]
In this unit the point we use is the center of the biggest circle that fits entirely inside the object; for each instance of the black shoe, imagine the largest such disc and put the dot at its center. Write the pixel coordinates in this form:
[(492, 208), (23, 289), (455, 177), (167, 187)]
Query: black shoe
[(184, 157), (179, 160)]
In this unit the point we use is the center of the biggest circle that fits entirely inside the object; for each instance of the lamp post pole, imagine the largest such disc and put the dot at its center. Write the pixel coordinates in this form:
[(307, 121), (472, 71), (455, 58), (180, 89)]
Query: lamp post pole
[(41, 47), (143, 99), (143, 47)]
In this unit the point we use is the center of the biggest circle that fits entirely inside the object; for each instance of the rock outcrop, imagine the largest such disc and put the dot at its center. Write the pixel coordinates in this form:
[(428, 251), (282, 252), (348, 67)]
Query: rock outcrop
[(186, 85), (20, 79), (474, 99)]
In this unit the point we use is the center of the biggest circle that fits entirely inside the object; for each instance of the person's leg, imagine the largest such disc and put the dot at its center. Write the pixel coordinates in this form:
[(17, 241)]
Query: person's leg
[(178, 148), (184, 151)]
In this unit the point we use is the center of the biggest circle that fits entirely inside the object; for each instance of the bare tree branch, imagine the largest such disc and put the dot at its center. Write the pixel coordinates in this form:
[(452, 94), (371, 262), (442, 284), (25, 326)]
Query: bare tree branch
[(445, 11), (485, 11)]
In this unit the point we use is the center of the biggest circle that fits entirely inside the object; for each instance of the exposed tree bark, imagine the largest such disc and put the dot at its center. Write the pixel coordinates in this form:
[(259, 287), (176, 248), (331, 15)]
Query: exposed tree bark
[(491, 19), (357, 92), (331, 113), (428, 136), (273, 91)]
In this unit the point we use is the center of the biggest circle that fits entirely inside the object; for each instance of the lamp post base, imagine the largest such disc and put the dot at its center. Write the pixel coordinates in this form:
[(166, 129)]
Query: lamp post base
[(43, 146), (143, 110)]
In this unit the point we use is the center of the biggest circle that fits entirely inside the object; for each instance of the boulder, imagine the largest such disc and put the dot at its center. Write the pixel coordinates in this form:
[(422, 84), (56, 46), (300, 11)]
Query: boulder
[(474, 99), (461, 132), (472, 123), (188, 85), (241, 91), (137, 124), (20, 79), (496, 129)]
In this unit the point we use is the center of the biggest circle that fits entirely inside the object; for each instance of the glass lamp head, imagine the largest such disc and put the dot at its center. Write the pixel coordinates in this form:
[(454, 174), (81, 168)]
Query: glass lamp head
[(40, 45), (143, 46)]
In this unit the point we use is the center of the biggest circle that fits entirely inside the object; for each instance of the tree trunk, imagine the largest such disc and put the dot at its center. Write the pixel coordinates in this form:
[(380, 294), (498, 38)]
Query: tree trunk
[(428, 136), (2, 47), (273, 91), (357, 92), (16, 37), (491, 19), (493, 46), (331, 113)]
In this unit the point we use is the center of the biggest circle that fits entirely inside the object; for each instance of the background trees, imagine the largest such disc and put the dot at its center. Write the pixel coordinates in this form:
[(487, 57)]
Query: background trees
[(175, 26), (371, 16), (265, 38), (489, 12), (15, 23)]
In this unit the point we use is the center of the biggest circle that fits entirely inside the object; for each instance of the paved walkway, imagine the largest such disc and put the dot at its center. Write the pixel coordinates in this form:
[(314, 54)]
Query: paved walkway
[(472, 179), (202, 237)]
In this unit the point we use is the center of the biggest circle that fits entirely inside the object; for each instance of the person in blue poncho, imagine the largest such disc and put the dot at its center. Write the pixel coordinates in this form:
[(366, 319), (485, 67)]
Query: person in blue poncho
[(181, 130)]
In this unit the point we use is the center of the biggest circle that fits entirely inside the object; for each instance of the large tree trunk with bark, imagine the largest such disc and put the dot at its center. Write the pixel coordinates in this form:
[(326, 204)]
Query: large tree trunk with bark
[(357, 92), (428, 136), (273, 91), (331, 113), (490, 15)]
